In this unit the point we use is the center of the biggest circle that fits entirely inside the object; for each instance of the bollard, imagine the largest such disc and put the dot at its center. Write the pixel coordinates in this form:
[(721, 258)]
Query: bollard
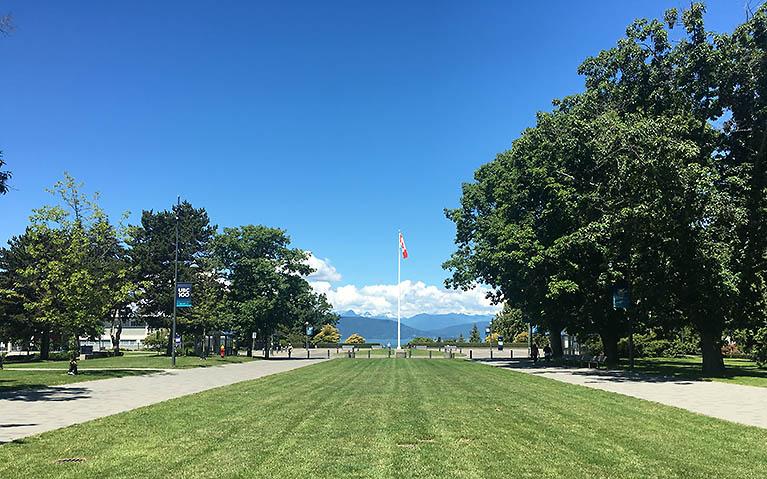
[(491, 353), (470, 353), (511, 354), (328, 354), (289, 352), (368, 354), (307, 354), (410, 353), (389, 353), (430, 354)]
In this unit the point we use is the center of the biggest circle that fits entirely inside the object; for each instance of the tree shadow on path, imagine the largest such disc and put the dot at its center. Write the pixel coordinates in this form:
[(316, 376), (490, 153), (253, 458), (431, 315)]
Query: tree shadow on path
[(46, 393)]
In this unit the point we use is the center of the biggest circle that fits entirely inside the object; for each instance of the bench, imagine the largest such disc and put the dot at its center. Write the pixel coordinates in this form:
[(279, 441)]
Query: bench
[(597, 361)]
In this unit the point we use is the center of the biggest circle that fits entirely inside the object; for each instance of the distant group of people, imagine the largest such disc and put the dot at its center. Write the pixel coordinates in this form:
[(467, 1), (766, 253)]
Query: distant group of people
[(535, 353)]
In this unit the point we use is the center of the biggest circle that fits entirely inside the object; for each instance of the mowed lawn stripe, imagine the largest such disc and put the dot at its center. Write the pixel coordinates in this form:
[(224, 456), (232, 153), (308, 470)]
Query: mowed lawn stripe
[(393, 418)]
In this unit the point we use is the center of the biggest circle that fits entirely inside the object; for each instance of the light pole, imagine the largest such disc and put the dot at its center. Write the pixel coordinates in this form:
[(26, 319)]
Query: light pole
[(306, 332), (175, 288)]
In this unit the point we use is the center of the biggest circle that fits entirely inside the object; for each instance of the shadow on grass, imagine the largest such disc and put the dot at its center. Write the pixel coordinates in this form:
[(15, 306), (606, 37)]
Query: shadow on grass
[(650, 371)]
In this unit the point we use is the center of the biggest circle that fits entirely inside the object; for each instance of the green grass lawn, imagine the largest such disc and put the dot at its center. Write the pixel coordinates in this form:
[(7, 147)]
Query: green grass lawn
[(15, 380), (739, 371), (136, 360), (384, 353), (393, 419)]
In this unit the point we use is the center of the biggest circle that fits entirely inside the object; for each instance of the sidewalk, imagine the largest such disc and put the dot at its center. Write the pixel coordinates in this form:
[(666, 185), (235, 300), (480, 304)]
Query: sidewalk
[(732, 402), (24, 413)]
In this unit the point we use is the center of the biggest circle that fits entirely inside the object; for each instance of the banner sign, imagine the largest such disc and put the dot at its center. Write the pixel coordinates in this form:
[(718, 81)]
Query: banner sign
[(184, 295), (310, 330), (621, 296)]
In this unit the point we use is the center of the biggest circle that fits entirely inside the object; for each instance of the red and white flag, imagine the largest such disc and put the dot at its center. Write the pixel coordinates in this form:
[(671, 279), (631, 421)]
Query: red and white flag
[(402, 245)]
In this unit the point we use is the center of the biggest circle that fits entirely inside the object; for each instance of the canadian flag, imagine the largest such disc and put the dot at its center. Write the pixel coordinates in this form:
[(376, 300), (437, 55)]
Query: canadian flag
[(402, 245)]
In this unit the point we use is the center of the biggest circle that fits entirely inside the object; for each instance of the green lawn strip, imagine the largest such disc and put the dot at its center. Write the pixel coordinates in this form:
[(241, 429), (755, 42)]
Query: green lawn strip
[(136, 361), (738, 371), (384, 353), (11, 380), (387, 419)]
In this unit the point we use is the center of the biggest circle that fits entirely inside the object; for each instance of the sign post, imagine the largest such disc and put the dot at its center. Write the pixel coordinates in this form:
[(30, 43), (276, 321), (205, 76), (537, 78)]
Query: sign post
[(622, 300)]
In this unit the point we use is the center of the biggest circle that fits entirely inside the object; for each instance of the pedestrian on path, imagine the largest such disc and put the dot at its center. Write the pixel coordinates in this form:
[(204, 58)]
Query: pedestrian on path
[(222, 351), (534, 353), (547, 353)]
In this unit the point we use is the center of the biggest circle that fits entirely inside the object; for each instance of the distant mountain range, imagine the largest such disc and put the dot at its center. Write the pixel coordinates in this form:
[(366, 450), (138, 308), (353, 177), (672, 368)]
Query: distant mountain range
[(383, 328)]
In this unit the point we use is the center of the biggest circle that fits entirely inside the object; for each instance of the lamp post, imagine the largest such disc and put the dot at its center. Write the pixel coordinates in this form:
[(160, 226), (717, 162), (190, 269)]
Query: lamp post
[(175, 288), (306, 331)]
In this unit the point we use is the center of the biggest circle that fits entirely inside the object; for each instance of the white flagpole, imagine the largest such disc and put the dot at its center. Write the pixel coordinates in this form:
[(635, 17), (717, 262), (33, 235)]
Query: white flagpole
[(399, 260)]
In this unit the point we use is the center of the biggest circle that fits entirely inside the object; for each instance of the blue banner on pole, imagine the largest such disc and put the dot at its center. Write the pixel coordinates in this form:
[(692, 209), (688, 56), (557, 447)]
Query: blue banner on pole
[(621, 296), (184, 295)]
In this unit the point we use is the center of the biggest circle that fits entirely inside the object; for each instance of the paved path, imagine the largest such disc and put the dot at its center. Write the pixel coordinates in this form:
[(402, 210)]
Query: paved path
[(732, 402), (24, 413)]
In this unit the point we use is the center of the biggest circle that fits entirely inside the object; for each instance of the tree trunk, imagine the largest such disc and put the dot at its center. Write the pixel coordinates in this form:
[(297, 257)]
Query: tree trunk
[(610, 347), (116, 332), (555, 338), (45, 345), (713, 362)]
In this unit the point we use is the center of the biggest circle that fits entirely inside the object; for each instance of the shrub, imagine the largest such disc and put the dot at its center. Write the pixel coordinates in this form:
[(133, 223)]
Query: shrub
[(157, 340), (355, 339), (759, 350), (327, 334), (521, 337)]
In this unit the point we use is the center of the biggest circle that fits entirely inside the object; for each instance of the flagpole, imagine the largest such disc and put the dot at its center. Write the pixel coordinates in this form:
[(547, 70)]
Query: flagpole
[(399, 261)]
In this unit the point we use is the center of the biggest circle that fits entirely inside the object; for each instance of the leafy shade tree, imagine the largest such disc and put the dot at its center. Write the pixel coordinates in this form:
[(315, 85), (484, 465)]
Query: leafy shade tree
[(152, 250), (73, 272), (266, 282), (16, 323), (508, 322), (327, 334), (474, 336), (355, 339)]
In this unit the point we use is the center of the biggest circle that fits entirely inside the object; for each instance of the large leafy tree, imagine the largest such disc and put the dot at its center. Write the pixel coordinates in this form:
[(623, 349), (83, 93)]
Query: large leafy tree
[(265, 281), (643, 179), (152, 250), (69, 269)]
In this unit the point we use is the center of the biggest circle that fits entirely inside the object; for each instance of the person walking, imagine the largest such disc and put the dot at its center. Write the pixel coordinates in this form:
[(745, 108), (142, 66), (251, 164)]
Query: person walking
[(534, 353), (547, 353)]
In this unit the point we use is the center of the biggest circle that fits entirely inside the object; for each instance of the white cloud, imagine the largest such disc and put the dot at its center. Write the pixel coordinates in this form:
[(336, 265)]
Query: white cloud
[(323, 270), (417, 297)]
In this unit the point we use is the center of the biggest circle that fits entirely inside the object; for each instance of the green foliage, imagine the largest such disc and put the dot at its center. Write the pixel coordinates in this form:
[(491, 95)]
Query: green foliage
[(422, 341), (760, 347), (156, 340), (474, 336), (354, 339), (5, 176), (522, 337), (327, 334), (654, 176), (267, 289), (152, 250), (69, 271)]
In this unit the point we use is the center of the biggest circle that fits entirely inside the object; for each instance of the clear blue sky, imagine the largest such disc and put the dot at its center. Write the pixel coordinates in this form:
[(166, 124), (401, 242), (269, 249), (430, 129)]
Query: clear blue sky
[(339, 121)]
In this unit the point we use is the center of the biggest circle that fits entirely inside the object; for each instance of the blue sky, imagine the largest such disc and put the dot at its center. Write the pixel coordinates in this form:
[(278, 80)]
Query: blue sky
[(338, 121)]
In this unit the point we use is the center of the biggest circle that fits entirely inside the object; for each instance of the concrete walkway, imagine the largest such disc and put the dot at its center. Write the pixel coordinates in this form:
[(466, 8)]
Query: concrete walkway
[(732, 402), (24, 413)]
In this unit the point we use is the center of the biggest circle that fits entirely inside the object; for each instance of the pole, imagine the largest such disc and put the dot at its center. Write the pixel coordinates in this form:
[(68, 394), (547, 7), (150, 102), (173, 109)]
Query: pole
[(175, 288), (399, 261)]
